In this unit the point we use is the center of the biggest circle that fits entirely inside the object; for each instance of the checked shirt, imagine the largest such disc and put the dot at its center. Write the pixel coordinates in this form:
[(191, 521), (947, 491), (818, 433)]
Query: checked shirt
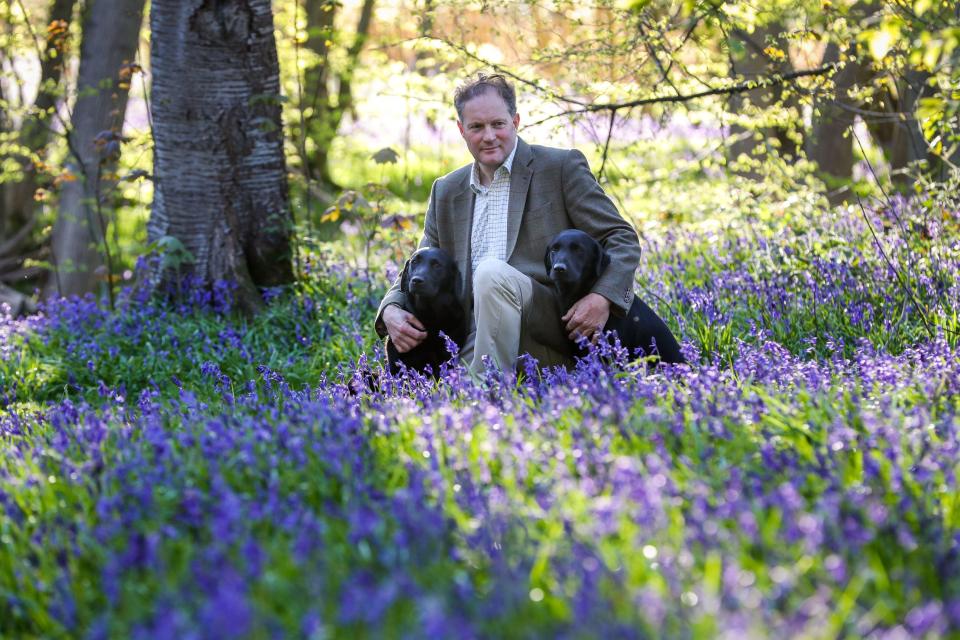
[(488, 237)]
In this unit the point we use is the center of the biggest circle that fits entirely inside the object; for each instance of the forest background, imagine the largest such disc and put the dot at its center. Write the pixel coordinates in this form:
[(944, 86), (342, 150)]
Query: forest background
[(199, 439), (858, 97)]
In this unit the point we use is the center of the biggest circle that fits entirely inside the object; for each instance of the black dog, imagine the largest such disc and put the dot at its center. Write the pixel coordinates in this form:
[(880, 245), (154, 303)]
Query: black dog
[(574, 261), (431, 280)]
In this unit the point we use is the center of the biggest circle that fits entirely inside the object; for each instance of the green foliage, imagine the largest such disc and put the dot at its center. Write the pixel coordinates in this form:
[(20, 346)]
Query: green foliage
[(303, 333), (776, 473)]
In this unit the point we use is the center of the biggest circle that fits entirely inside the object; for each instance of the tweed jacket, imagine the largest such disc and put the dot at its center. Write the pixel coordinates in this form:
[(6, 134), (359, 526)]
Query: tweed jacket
[(550, 190)]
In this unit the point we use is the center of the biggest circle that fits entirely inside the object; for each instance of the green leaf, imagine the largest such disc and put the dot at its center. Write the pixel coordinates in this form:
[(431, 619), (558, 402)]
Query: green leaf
[(883, 38)]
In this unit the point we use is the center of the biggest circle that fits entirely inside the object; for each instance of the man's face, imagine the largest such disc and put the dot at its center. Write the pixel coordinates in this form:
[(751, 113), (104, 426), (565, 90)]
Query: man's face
[(489, 130)]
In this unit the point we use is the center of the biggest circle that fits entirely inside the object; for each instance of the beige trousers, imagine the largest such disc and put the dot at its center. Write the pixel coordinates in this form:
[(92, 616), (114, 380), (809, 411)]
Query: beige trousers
[(502, 299)]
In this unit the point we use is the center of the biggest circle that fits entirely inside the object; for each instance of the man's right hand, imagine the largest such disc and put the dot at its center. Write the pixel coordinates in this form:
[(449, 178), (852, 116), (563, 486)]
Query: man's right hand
[(404, 329)]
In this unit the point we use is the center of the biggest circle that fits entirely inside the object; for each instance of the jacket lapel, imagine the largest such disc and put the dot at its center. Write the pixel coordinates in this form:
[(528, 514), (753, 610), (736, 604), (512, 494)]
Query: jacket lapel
[(519, 185), (462, 211)]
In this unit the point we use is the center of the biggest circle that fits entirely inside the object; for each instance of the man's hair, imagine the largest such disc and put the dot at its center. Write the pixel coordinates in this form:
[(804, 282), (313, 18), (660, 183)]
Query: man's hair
[(484, 82)]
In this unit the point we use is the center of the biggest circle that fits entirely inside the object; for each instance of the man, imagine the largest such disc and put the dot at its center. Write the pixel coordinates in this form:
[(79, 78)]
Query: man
[(496, 216)]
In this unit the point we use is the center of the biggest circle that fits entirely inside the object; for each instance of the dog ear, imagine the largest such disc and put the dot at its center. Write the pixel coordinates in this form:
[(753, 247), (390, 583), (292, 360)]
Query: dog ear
[(603, 261), (405, 278), (546, 259)]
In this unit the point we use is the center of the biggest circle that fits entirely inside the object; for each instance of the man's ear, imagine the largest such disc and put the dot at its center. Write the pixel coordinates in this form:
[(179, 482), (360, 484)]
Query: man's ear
[(603, 261), (405, 278)]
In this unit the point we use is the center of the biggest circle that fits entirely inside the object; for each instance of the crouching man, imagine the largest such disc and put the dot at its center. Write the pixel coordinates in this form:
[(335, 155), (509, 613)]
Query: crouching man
[(496, 217)]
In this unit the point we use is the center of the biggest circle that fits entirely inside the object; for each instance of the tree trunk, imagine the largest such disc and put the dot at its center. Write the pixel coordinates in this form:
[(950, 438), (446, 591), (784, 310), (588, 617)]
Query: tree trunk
[(753, 63), (16, 199), (323, 121), (111, 29), (220, 173), (900, 136), (828, 144), (329, 107)]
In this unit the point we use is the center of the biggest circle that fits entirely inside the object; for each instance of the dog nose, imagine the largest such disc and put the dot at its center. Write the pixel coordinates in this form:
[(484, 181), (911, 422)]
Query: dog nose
[(560, 267), (418, 280)]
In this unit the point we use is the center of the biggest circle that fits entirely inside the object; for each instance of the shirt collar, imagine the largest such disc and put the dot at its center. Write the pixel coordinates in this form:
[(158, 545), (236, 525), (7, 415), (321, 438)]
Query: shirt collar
[(507, 166)]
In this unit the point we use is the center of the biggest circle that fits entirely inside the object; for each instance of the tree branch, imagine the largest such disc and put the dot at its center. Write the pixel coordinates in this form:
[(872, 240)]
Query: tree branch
[(502, 70), (740, 87)]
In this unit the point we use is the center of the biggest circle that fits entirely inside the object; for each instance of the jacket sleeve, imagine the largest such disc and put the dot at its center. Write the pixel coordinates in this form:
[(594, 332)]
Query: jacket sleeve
[(592, 211), (428, 239)]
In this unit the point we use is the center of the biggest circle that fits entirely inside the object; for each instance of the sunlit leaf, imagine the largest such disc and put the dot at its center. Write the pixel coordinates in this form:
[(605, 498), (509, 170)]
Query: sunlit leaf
[(882, 40), (332, 214), (33, 262), (774, 53)]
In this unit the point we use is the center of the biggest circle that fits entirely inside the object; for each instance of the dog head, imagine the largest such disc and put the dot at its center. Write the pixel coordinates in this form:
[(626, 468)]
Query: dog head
[(429, 273), (574, 261)]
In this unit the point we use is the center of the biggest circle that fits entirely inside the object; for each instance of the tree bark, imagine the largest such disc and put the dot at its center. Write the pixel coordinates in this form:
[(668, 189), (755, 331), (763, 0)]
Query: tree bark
[(828, 145), (899, 135), (16, 199), (220, 173), (328, 106), (753, 64), (111, 29)]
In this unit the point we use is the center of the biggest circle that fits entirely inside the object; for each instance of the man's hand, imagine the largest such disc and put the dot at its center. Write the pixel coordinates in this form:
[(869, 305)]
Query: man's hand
[(586, 317), (404, 329)]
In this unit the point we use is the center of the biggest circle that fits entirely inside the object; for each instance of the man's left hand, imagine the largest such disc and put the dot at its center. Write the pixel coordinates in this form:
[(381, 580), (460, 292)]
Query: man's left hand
[(587, 316)]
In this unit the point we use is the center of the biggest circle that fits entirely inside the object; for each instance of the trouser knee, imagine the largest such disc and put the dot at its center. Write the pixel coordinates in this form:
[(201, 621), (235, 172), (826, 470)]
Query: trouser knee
[(491, 277)]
